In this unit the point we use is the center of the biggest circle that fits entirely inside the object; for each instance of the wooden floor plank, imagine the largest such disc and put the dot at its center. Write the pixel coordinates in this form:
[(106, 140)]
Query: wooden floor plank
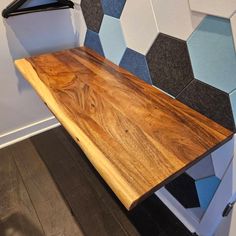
[(94, 209), (17, 214), (54, 215)]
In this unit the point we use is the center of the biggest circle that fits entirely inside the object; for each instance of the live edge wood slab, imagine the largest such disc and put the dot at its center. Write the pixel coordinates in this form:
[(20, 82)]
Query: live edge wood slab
[(137, 137)]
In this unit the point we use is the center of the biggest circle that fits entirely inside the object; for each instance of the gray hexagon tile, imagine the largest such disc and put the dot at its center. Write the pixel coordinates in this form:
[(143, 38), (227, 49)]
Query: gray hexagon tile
[(209, 101), (169, 64), (93, 14)]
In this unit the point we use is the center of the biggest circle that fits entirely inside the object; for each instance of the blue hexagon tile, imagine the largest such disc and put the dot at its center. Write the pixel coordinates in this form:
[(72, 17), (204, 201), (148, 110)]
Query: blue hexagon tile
[(206, 189), (212, 53), (113, 7), (112, 39), (136, 63), (93, 42)]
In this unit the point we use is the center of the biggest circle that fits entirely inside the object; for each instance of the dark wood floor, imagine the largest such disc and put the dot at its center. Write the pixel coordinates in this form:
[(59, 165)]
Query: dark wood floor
[(48, 187)]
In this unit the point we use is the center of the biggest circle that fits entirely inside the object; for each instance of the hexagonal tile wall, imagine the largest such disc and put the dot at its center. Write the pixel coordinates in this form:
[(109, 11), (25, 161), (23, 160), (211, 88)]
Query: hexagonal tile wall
[(112, 39), (169, 64), (175, 18), (215, 66), (93, 14), (139, 25), (222, 8), (113, 7), (136, 63)]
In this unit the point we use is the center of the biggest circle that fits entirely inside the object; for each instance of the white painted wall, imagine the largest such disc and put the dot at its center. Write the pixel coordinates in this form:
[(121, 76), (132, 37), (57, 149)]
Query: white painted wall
[(22, 36)]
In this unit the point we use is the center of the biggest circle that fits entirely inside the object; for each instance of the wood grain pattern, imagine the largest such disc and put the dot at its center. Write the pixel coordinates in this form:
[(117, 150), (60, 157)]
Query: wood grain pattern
[(137, 137)]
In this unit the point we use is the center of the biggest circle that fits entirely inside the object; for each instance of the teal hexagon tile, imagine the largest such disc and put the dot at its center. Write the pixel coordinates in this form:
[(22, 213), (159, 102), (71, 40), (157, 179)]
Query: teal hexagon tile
[(233, 103), (212, 53), (136, 63), (206, 189), (112, 39), (202, 169), (113, 7), (93, 42)]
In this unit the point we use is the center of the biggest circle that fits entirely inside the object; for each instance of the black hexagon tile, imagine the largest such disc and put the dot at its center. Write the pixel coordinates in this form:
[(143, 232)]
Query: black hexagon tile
[(93, 14), (183, 188), (169, 63), (211, 102)]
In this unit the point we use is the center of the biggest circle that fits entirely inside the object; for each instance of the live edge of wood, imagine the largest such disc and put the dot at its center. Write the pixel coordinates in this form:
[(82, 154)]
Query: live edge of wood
[(137, 137)]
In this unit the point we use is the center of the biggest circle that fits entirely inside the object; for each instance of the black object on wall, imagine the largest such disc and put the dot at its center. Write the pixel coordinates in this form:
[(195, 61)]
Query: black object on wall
[(14, 8)]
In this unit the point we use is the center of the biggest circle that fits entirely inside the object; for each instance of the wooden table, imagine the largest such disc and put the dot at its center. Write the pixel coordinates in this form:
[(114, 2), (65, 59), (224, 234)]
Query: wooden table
[(137, 137)]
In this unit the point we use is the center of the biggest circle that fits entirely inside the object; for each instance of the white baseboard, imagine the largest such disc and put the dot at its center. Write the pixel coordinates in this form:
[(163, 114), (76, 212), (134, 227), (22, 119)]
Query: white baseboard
[(27, 131)]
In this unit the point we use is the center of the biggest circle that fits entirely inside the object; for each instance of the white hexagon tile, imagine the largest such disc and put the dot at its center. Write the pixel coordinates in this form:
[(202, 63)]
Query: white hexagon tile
[(222, 157), (175, 18), (139, 25), (221, 8)]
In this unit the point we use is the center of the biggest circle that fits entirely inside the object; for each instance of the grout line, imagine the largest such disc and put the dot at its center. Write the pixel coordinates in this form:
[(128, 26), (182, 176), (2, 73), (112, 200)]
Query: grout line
[(185, 88), (233, 91), (232, 15)]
